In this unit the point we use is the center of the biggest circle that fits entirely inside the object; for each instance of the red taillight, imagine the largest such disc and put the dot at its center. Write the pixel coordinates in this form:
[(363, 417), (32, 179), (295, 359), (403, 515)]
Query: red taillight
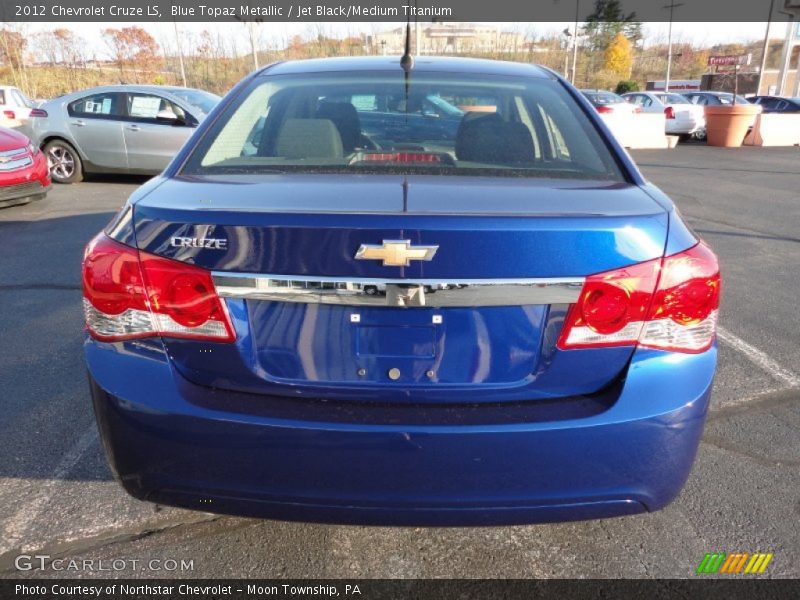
[(9, 114), (611, 308), (670, 304), (683, 316), (38, 112), (669, 112), (605, 109), (637, 109), (130, 294)]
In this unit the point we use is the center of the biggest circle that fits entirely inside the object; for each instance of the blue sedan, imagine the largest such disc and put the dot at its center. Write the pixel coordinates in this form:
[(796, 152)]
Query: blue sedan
[(482, 315)]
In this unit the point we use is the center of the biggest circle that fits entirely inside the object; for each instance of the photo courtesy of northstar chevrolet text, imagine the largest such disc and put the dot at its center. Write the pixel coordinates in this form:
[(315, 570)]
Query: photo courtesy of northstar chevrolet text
[(351, 298)]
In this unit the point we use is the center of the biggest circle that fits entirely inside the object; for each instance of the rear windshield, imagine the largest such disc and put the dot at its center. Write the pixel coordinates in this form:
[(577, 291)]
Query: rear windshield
[(383, 122), (673, 99), (603, 98), (205, 101)]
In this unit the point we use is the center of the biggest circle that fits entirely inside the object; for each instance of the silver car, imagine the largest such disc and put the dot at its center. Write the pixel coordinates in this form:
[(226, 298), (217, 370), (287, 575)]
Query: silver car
[(118, 129)]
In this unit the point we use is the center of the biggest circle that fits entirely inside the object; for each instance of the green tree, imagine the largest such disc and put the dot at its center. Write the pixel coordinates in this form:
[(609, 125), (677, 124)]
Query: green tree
[(607, 20), (625, 86)]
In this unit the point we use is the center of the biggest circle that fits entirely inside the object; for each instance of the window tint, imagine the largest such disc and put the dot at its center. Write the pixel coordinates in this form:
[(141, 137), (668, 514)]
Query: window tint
[(377, 122), (106, 105)]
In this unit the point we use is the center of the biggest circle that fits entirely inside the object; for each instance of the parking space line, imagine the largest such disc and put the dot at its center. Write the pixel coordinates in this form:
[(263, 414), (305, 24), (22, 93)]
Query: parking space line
[(18, 524), (759, 358)]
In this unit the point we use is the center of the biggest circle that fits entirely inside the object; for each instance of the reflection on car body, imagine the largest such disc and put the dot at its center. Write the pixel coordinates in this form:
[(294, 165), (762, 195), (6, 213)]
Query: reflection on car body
[(484, 318), (118, 129)]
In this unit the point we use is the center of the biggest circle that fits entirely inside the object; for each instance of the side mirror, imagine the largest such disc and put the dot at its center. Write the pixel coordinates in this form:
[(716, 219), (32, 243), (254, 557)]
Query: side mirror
[(167, 116)]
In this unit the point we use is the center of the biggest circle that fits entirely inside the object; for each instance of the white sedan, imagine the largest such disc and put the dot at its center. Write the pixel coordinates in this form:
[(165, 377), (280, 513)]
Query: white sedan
[(683, 117)]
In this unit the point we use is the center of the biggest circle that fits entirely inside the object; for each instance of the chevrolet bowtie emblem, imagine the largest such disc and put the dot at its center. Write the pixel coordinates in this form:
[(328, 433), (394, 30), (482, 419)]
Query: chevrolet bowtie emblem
[(395, 253)]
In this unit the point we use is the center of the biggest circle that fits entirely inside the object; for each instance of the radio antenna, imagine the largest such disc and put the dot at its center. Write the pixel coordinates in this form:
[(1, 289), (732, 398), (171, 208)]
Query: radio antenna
[(407, 61)]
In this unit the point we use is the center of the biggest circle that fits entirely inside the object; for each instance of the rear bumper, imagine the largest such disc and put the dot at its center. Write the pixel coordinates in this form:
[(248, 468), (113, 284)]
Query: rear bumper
[(685, 126), (173, 442)]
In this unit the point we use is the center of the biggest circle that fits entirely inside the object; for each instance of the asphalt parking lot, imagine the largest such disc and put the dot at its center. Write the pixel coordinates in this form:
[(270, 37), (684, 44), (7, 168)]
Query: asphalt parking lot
[(57, 496)]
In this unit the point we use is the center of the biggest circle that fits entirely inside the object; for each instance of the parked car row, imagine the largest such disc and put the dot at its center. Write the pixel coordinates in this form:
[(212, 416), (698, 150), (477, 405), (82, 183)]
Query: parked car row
[(684, 112)]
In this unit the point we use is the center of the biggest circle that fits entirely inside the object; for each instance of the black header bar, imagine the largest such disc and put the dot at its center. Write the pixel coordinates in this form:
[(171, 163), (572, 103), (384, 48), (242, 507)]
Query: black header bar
[(527, 11)]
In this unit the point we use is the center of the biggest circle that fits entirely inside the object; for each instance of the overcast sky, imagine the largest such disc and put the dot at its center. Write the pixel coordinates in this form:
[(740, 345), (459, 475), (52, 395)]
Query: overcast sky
[(696, 33)]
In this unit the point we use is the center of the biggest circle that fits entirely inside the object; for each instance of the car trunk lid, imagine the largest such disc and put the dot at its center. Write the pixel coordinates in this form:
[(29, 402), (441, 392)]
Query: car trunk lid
[(477, 322)]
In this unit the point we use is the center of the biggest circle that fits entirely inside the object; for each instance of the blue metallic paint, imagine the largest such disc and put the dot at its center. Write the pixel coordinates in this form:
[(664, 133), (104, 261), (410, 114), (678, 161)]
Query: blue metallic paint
[(498, 354), (273, 427), (175, 442)]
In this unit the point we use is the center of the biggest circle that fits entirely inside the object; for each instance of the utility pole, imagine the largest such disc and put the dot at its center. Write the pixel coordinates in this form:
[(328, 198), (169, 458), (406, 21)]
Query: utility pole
[(180, 53), (786, 54), (765, 51), (568, 49), (575, 41), (671, 6), (251, 25)]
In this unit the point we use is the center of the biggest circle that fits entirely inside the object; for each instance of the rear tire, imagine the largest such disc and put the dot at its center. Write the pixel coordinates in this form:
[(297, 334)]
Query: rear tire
[(64, 162)]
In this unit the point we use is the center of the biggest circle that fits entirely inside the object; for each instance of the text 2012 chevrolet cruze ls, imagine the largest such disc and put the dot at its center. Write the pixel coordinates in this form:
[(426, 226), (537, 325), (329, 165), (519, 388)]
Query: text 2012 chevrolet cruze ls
[(537, 343)]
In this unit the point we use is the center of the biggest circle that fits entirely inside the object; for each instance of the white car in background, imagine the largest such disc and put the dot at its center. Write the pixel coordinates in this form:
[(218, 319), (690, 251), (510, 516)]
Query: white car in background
[(16, 109), (14, 105), (682, 117)]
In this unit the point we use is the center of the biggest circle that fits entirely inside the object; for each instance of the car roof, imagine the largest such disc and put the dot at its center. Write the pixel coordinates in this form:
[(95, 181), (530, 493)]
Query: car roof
[(422, 64), (123, 87)]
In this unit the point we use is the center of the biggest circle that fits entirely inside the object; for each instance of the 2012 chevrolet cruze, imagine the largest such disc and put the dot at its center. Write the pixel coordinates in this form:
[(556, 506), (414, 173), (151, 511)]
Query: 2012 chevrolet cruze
[(368, 292)]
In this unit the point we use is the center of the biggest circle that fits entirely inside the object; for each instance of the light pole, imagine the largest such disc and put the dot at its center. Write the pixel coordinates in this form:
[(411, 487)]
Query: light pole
[(575, 42), (671, 6), (765, 51), (180, 52), (568, 37)]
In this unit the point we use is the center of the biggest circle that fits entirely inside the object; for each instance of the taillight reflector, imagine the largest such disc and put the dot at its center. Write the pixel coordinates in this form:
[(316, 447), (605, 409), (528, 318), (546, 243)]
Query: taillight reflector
[(605, 109), (9, 114), (669, 112), (38, 112), (669, 303), (130, 294)]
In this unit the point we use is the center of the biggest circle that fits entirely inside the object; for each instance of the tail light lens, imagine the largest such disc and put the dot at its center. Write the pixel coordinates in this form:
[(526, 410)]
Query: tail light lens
[(38, 112), (669, 112), (605, 109), (9, 114), (683, 315), (637, 110), (129, 294), (669, 303)]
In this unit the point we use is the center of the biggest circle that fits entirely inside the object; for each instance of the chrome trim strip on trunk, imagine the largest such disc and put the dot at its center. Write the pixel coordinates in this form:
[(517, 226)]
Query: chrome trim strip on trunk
[(434, 293)]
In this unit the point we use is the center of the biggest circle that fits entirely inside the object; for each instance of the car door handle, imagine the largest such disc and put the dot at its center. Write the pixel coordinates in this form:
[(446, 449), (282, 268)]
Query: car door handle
[(133, 127), (78, 123)]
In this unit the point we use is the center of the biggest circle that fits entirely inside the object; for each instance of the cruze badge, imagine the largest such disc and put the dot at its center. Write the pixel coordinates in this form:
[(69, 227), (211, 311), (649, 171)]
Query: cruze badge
[(395, 253), (193, 242)]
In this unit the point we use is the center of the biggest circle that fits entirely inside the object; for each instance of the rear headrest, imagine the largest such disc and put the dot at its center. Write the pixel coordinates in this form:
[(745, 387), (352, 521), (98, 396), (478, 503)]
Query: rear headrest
[(345, 117), (489, 139), (309, 138)]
